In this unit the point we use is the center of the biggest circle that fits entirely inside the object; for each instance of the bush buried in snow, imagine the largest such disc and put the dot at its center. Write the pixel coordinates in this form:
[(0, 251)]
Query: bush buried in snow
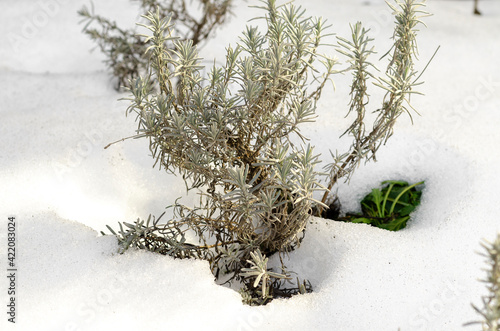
[(230, 137)]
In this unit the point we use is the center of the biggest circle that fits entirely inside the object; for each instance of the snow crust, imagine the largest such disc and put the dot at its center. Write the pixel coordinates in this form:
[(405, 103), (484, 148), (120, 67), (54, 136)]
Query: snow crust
[(59, 110)]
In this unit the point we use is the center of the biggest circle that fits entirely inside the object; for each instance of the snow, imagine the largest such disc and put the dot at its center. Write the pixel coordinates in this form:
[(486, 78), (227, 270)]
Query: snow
[(59, 110)]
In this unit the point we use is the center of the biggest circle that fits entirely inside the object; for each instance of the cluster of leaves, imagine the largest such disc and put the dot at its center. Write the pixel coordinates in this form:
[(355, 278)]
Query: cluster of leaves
[(230, 135), (261, 285), (152, 236), (126, 51), (491, 302), (230, 132), (390, 207), (259, 280), (401, 78)]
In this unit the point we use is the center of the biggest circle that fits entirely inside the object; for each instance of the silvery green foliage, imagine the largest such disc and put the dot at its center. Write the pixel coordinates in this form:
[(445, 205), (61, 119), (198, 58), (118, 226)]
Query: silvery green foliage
[(400, 79), (261, 284), (260, 275), (125, 50), (491, 303), (150, 236), (230, 131), (229, 135)]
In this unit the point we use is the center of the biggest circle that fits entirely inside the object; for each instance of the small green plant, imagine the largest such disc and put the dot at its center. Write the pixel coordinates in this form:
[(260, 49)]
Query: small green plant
[(230, 136), (126, 51), (390, 207), (491, 302)]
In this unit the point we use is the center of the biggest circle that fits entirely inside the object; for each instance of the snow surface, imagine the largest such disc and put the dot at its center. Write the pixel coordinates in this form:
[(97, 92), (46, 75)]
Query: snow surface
[(59, 109)]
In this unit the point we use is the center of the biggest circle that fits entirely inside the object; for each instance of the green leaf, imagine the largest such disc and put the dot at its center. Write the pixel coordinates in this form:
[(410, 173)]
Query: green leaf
[(395, 225), (390, 207)]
